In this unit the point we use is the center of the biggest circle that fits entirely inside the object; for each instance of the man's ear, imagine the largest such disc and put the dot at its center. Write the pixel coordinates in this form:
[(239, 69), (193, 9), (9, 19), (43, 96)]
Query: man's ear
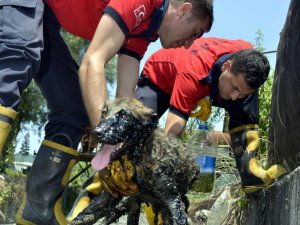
[(184, 8), (226, 66)]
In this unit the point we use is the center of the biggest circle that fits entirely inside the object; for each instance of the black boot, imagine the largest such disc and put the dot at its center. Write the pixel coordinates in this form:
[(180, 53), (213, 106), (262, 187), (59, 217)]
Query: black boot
[(46, 183)]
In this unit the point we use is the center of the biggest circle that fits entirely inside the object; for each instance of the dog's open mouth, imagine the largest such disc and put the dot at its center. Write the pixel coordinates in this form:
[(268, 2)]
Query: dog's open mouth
[(104, 156)]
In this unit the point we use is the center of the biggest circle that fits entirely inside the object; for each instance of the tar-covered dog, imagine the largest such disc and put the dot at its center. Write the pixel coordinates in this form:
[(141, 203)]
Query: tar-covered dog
[(164, 168)]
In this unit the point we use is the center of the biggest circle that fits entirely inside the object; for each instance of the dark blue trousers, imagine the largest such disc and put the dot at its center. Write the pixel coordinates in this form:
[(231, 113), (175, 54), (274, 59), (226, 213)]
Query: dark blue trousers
[(31, 47)]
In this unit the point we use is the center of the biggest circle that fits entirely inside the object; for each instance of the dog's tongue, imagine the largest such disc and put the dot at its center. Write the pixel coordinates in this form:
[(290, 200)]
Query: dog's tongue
[(102, 158)]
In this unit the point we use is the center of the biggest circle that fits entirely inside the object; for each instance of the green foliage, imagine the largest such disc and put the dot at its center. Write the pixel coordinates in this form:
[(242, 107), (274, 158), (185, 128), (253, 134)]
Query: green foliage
[(12, 173), (12, 188), (265, 95), (78, 169), (216, 116), (2, 166), (80, 173), (242, 201), (189, 130), (78, 47), (32, 110), (5, 193), (259, 40), (25, 148), (111, 71)]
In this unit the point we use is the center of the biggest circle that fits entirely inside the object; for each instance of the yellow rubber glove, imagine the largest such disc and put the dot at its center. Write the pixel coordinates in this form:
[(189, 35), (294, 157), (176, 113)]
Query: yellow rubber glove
[(117, 177), (254, 177), (150, 215), (205, 109)]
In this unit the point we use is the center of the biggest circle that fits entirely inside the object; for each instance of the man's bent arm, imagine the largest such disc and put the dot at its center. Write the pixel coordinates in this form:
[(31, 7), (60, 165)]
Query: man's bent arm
[(174, 124), (128, 75), (106, 43)]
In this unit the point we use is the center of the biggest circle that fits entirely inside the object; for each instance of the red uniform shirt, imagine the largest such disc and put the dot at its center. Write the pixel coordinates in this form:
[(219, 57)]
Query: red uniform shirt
[(81, 17), (178, 72)]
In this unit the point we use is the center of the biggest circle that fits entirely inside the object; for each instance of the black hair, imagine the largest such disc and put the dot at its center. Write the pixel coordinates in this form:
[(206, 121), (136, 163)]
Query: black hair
[(202, 9), (253, 65)]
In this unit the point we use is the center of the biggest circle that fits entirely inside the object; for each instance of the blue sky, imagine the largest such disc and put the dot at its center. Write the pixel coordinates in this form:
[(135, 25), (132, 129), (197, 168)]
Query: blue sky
[(239, 19), (234, 19)]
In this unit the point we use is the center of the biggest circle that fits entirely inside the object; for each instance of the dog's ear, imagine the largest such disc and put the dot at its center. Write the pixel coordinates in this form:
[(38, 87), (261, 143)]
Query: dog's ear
[(152, 122), (154, 117), (104, 112)]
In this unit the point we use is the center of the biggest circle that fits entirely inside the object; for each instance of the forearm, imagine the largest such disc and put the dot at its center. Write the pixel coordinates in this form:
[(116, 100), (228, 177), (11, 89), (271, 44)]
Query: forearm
[(174, 124), (106, 42), (128, 74), (93, 88)]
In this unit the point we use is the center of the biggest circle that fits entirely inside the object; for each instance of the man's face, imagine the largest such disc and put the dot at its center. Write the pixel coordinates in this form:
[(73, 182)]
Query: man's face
[(232, 86), (183, 30)]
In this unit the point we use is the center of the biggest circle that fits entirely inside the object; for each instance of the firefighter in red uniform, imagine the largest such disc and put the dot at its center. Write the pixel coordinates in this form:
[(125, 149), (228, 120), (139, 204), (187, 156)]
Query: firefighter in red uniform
[(224, 73), (31, 47)]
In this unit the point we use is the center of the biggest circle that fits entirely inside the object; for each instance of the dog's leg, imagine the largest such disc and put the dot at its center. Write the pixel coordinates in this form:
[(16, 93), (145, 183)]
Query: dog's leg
[(134, 213), (99, 208), (128, 205), (166, 216), (165, 189)]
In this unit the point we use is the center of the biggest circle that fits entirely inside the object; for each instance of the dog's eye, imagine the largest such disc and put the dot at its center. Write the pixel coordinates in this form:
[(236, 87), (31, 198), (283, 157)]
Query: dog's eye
[(126, 117)]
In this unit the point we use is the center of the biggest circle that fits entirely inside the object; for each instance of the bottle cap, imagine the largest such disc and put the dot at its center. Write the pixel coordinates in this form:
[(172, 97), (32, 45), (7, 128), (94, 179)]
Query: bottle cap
[(202, 126)]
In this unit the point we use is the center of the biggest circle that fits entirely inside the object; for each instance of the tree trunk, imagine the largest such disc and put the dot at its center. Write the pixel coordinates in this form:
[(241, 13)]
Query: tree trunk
[(284, 132)]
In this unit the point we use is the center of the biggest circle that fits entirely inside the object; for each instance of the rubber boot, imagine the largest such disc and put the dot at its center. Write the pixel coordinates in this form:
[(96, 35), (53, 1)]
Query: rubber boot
[(7, 117), (46, 183), (245, 143), (91, 188)]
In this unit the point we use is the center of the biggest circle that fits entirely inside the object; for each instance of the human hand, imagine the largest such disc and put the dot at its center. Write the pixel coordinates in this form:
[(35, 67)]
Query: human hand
[(88, 141), (204, 112)]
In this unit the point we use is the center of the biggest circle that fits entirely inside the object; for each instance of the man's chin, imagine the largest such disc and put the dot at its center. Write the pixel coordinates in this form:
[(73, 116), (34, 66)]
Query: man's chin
[(169, 45), (224, 97), (166, 46)]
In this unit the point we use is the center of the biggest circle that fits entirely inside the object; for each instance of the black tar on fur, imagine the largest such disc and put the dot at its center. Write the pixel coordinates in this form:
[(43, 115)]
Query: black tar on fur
[(165, 169)]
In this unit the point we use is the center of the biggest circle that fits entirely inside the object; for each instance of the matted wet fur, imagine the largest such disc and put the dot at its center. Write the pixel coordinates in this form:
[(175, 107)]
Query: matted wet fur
[(165, 169)]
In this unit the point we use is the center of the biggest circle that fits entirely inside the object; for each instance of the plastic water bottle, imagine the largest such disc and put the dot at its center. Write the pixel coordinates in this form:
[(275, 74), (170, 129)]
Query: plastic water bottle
[(204, 150)]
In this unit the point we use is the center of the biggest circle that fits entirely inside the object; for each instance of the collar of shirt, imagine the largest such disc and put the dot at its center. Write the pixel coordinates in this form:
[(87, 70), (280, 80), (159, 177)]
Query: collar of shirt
[(213, 77)]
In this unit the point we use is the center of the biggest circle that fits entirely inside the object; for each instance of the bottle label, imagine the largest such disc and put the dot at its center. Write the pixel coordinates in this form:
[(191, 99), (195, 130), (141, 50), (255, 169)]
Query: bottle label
[(206, 164)]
